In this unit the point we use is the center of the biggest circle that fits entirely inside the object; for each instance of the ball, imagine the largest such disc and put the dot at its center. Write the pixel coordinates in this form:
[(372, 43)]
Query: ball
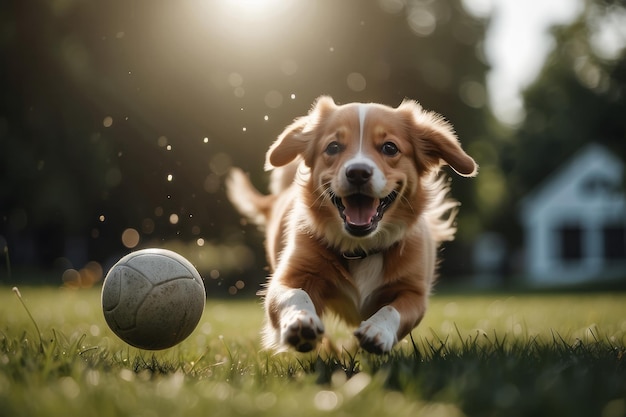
[(153, 298)]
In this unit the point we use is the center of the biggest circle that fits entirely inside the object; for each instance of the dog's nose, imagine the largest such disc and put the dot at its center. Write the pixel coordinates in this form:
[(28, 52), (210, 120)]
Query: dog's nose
[(359, 174)]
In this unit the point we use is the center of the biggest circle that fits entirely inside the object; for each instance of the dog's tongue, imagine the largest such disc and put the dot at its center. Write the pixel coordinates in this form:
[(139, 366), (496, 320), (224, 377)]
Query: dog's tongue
[(359, 209)]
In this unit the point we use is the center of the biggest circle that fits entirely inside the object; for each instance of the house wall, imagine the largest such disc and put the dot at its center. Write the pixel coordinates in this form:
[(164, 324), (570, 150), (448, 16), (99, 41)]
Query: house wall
[(543, 244), (579, 202)]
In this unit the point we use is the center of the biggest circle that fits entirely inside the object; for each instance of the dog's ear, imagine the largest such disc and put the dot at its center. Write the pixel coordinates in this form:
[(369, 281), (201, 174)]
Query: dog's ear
[(435, 141), (297, 138)]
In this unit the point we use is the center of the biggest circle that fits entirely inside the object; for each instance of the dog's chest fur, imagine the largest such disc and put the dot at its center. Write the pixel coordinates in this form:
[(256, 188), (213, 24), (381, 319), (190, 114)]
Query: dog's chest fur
[(367, 274)]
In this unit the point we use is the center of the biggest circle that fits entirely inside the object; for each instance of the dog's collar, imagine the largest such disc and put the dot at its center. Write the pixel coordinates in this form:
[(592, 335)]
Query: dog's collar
[(358, 254)]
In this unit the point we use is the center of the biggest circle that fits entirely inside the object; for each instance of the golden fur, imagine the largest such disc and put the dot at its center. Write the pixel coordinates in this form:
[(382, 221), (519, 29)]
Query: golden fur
[(374, 272)]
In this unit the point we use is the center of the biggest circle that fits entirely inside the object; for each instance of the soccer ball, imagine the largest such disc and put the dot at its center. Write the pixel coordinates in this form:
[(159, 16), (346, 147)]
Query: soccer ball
[(153, 298)]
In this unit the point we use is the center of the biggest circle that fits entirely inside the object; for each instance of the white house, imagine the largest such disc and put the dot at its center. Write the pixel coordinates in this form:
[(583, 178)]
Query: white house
[(575, 222)]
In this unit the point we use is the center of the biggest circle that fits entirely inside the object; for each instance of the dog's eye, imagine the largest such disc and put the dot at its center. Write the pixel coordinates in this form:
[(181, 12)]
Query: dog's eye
[(389, 149), (333, 148)]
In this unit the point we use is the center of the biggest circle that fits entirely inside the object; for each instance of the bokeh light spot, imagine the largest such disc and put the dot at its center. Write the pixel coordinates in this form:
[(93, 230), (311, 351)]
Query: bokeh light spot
[(326, 400), (273, 99), (392, 6), (356, 81), (473, 94), (147, 226), (130, 238), (212, 183), (422, 21), (235, 79), (220, 163)]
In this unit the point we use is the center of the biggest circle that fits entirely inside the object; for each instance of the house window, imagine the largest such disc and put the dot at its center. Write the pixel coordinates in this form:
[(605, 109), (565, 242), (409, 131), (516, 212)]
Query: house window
[(571, 242), (599, 184), (614, 237)]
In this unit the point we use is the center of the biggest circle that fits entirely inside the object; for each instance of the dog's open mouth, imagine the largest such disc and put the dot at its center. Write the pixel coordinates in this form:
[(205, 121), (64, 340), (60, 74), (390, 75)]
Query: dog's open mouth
[(361, 213)]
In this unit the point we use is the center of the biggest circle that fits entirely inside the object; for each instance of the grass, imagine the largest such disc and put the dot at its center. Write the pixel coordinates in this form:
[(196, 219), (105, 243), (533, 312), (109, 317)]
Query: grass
[(490, 355)]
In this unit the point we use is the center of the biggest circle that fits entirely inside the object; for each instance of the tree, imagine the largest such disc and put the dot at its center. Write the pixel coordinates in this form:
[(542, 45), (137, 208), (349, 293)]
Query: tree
[(579, 97), (132, 112)]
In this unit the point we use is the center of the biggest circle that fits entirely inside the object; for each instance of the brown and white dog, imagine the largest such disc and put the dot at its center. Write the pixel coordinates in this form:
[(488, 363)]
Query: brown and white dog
[(356, 213)]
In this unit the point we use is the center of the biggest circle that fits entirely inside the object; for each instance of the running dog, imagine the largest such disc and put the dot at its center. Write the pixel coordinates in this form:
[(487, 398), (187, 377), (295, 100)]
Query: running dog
[(356, 212)]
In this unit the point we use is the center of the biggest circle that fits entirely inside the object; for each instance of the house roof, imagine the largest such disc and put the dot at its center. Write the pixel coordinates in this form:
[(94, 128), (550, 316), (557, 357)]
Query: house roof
[(594, 168)]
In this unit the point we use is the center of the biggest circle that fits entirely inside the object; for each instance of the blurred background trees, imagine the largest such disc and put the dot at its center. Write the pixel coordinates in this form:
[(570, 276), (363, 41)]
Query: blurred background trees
[(119, 120), (578, 98)]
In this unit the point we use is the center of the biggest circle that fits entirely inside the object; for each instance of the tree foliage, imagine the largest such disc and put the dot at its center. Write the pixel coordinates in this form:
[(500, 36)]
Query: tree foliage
[(122, 114), (579, 98)]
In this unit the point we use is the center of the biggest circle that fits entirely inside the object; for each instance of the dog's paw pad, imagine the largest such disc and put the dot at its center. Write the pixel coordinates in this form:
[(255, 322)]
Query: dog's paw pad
[(302, 331), (374, 338)]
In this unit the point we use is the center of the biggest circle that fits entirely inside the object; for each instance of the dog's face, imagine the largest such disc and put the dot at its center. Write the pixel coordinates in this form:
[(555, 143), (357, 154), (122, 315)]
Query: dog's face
[(363, 165), (367, 161)]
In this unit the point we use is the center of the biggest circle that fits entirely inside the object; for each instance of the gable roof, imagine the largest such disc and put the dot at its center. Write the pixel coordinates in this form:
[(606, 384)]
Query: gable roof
[(593, 169)]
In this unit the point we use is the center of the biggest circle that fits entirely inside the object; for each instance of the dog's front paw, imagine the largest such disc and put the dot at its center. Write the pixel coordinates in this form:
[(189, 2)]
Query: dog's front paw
[(301, 329), (378, 333), (374, 338)]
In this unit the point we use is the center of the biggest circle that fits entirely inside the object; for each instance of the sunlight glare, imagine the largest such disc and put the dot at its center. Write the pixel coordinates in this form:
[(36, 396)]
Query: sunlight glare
[(252, 9)]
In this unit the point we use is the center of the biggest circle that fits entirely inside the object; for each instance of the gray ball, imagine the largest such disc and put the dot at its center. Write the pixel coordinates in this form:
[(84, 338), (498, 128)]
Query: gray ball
[(153, 298)]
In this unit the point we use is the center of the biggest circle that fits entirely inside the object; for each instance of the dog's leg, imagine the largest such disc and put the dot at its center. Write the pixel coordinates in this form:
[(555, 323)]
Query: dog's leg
[(379, 333), (292, 319)]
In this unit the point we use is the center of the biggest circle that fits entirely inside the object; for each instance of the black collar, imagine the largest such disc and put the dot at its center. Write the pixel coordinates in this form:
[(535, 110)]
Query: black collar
[(358, 254)]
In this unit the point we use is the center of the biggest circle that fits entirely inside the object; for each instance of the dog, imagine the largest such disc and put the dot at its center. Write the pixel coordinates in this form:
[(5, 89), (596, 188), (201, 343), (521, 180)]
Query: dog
[(356, 212)]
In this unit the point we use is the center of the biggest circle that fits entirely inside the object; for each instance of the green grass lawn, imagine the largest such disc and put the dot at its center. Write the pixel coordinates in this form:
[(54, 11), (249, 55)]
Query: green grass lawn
[(491, 355)]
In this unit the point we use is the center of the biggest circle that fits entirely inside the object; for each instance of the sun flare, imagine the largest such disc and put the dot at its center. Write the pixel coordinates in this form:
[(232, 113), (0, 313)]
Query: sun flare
[(252, 9)]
